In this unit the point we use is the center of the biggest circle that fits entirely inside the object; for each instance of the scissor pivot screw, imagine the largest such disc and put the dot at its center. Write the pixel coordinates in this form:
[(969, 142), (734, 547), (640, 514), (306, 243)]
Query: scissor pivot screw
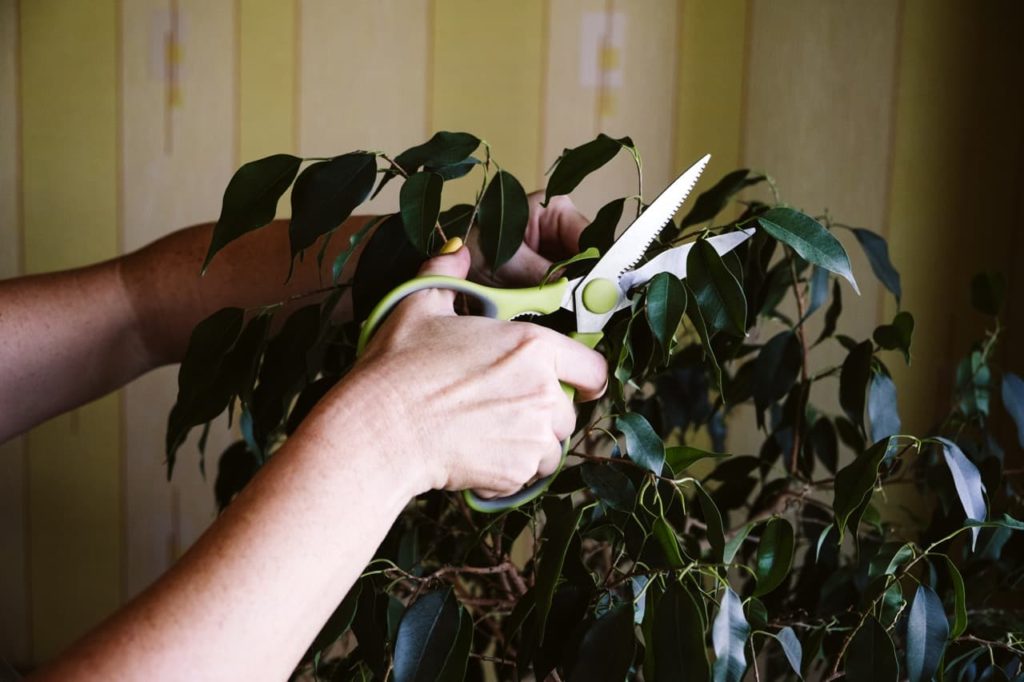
[(600, 295)]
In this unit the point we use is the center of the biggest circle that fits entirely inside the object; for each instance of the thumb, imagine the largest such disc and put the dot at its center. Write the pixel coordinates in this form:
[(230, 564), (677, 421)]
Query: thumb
[(453, 261)]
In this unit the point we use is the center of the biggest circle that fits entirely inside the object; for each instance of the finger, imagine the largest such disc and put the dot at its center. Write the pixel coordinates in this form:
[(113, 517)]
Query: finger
[(563, 419), (575, 364), (453, 263), (549, 463)]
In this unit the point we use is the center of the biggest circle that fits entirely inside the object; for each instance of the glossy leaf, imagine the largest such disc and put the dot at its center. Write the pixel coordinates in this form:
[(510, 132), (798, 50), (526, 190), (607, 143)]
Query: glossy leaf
[(822, 438), (420, 201), (250, 200), (877, 251), (454, 171), (609, 485), (835, 309), (988, 289), (872, 656), (387, 260), (791, 648), (898, 335), (426, 634), (713, 522), (967, 481), (927, 631), (600, 233), (579, 162), (883, 411), (680, 457), (711, 202), (666, 538), (561, 523), (326, 193), (643, 445), (736, 541), (855, 481), (809, 239), (959, 600), (697, 320), (774, 555), (1013, 401), (776, 368), (853, 381), (666, 303), (678, 638), (716, 290), (729, 634), (819, 290), (444, 148), (455, 664), (503, 214), (607, 649)]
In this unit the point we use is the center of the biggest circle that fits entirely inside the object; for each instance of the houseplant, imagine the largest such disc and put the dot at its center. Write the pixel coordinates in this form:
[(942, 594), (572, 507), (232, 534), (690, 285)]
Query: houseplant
[(649, 557)]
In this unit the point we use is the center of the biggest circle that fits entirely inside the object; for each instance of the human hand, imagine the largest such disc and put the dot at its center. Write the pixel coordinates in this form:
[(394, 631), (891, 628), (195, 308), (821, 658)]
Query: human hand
[(471, 402), (552, 234)]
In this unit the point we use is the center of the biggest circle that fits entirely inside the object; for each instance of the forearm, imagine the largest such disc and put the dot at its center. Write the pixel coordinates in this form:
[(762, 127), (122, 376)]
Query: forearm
[(247, 599)]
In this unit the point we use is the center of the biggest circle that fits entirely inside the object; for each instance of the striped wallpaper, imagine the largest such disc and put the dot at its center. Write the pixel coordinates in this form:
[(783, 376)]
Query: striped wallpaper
[(121, 120)]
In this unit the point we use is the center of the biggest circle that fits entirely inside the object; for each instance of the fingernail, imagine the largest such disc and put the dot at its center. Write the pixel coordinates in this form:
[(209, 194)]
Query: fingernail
[(450, 246)]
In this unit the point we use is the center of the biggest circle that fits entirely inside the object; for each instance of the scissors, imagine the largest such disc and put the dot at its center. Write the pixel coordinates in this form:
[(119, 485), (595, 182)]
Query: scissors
[(593, 298)]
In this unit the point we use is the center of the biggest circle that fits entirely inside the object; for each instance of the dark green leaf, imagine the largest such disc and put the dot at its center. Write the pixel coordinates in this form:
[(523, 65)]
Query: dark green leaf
[(712, 201), (325, 195), (713, 521), (600, 233), (973, 384), (959, 600), (774, 555), (898, 335), (420, 200), (826, 446), (809, 239), (853, 381), (341, 260), (561, 523), (235, 469), (717, 292), (455, 665), (1013, 401), (872, 656), (967, 481), (678, 638), (855, 481), (454, 171), (387, 261), (609, 485), (791, 648), (927, 631), (455, 220), (579, 162), (776, 368), (729, 635), (607, 649), (504, 212), (679, 457), (835, 309), (443, 149), (988, 289), (643, 445), (250, 200), (877, 252), (426, 634), (736, 541), (697, 320), (666, 303), (882, 408), (819, 290), (370, 627), (668, 541)]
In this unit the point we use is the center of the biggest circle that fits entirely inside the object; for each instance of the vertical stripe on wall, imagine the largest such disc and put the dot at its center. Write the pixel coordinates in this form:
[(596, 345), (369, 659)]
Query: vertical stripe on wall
[(266, 78), (69, 171), (14, 592)]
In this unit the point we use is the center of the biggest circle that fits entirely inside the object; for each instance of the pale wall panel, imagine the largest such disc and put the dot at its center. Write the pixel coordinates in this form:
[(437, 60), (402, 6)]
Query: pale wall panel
[(177, 159), (818, 118), (363, 78), (14, 596)]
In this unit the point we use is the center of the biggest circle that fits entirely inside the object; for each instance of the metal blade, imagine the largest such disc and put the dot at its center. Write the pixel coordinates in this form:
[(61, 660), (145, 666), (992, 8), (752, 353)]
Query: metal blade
[(674, 260), (632, 244)]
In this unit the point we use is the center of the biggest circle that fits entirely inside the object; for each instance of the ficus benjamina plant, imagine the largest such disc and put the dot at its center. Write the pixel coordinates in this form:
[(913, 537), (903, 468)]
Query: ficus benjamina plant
[(655, 554)]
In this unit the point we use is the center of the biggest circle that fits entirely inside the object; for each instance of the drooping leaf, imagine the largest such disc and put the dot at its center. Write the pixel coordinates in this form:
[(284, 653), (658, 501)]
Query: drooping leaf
[(579, 162), (697, 320), (455, 221), (713, 521), (716, 290), (774, 555), (853, 381), (679, 457), (988, 289), (776, 368), (250, 200), (609, 485), (736, 541), (822, 438), (387, 260), (872, 656), (855, 481), (898, 335), (666, 303), (959, 600), (819, 290), (667, 540), (600, 233), (729, 635), (454, 669), (643, 445), (678, 638), (967, 481), (835, 309), (561, 523), (503, 214), (426, 634), (809, 239), (235, 469), (711, 202), (443, 150), (326, 193), (791, 648), (370, 627), (927, 631), (454, 171), (569, 610), (883, 411), (607, 649), (420, 201), (585, 255), (877, 251), (1013, 401)]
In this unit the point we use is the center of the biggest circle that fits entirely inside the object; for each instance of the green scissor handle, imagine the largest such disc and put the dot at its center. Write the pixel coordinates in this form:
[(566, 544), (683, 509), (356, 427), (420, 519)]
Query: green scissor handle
[(502, 304)]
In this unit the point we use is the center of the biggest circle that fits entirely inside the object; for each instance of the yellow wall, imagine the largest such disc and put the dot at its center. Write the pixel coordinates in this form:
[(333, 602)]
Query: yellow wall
[(899, 116)]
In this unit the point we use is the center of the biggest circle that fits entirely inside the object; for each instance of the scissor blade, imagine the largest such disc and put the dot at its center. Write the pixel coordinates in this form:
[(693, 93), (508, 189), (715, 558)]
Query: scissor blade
[(674, 260)]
